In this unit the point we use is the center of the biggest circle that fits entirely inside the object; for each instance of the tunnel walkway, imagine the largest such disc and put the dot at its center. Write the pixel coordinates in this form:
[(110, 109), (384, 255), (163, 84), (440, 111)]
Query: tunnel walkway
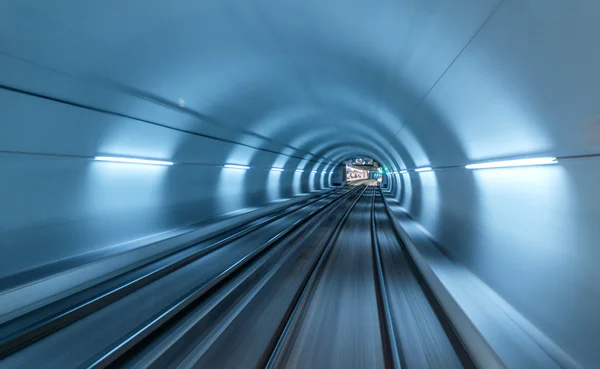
[(322, 284)]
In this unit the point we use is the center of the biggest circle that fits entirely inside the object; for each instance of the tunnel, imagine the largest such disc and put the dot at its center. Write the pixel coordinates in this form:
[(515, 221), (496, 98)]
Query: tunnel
[(132, 130)]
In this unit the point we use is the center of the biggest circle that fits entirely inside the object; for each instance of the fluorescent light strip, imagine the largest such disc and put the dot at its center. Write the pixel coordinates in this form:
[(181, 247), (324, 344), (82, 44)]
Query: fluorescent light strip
[(513, 163), (277, 169), (132, 160), (299, 170), (403, 171), (314, 171), (234, 166), (425, 169)]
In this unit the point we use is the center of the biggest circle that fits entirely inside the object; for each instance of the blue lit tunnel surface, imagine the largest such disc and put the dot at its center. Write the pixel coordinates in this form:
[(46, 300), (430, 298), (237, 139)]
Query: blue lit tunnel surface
[(318, 184)]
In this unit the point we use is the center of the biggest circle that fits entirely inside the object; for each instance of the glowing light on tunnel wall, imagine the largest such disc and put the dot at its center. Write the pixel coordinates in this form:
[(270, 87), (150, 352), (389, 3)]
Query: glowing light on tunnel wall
[(132, 160), (299, 180), (119, 188), (426, 200), (425, 169), (528, 202), (235, 166), (513, 163), (231, 190), (311, 180), (403, 171), (274, 184), (323, 179)]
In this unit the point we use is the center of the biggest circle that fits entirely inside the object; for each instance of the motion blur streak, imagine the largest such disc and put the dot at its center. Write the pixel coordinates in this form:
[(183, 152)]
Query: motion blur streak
[(209, 118)]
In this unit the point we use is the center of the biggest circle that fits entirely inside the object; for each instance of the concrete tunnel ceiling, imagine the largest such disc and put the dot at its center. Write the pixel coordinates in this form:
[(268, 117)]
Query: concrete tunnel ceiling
[(300, 75), (308, 77), (305, 85)]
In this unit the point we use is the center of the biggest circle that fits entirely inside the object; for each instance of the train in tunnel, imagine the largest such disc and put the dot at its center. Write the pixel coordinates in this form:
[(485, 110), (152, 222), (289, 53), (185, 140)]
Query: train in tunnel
[(322, 184)]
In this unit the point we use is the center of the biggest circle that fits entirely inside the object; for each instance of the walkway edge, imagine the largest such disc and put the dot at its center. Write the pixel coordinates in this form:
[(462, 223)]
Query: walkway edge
[(506, 339)]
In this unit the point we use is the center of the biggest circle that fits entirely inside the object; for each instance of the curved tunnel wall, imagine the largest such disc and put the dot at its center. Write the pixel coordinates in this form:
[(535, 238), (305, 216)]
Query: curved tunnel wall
[(413, 83), (59, 202)]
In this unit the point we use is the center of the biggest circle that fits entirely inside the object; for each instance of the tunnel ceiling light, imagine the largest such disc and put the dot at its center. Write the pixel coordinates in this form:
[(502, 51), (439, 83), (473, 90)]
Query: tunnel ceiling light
[(277, 169), (513, 163), (314, 171), (299, 170), (403, 171), (424, 169), (132, 160), (235, 166)]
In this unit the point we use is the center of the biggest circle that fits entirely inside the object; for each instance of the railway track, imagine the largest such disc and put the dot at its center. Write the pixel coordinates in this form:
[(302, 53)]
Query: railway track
[(366, 306), (326, 284)]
